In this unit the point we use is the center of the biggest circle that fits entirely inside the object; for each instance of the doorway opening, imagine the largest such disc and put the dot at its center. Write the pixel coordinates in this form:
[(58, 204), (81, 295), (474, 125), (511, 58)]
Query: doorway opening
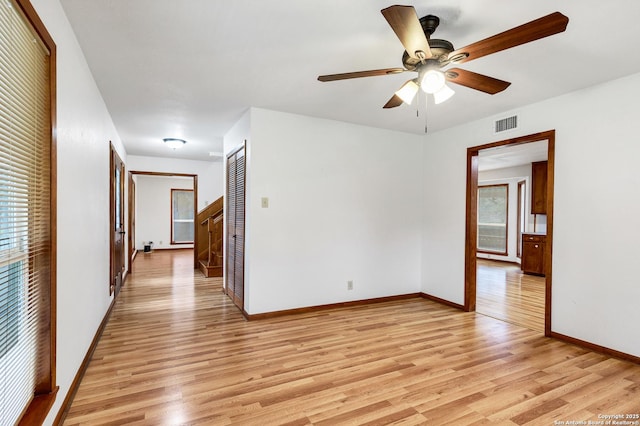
[(474, 266), (133, 205)]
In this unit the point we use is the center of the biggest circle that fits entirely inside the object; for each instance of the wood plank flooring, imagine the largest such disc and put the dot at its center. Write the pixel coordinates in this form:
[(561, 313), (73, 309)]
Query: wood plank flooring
[(177, 352), (505, 293)]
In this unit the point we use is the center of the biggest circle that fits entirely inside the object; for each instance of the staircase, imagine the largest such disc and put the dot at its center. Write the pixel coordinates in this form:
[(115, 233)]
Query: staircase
[(211, 220)]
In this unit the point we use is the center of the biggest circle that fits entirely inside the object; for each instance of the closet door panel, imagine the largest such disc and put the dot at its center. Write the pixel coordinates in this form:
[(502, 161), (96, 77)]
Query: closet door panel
[(239, 230), (230, 218), (236, 171)]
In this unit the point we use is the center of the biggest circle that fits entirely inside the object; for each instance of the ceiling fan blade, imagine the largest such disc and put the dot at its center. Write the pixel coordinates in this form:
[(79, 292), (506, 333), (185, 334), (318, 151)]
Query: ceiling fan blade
[(476, 81), (540, 28), (358, 74), (393, 102), (405, 23)]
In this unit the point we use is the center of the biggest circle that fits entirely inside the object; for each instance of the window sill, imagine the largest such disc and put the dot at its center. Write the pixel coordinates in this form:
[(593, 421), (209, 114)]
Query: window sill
[(37, 411)]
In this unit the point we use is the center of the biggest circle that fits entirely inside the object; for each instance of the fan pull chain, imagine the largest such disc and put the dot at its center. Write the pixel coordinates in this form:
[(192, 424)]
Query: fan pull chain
[(426, 103)]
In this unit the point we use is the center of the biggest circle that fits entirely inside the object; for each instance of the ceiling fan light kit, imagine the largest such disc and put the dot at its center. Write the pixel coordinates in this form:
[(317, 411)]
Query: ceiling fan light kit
[(408, 91), (432, 81), (443, 94), (431, 57), (174, 143)]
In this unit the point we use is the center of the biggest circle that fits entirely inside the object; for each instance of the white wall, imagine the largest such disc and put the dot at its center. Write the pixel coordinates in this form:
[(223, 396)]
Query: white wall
[(237, 137), (597, 202), (210, 173), (84, 129), (343, 205), (153, 210)]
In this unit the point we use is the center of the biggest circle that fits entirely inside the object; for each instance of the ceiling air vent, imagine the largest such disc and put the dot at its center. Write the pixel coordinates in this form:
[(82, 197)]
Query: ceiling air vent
[(504, 124)]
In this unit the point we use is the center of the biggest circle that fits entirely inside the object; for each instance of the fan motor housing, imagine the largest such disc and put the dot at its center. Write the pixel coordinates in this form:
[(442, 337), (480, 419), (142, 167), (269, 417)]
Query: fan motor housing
[(440, 50), (429, 24)]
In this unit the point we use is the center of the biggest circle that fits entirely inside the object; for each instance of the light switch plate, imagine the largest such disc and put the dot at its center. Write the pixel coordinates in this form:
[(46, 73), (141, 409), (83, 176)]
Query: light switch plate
[(265, 202)]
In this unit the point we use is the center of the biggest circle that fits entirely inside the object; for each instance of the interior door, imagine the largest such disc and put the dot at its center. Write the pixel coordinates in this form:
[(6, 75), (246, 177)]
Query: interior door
[(235, 227), (231, 226), (117, 223), (239, 229)]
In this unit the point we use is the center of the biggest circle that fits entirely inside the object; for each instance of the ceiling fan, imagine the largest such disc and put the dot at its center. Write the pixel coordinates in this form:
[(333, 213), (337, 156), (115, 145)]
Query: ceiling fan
[(430, 57)]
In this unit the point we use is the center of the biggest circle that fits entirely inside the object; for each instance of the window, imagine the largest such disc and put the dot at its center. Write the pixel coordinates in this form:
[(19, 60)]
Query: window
[(182, 216), (492, 218), (27, 210)]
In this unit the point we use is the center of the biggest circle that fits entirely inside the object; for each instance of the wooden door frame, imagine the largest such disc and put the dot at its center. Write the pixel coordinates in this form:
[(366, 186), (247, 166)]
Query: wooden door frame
[(471, 231), (131, 204), (195, 205)]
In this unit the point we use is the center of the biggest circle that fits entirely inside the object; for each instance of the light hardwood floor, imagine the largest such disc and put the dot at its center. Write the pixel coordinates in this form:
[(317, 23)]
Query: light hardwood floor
[(177, 352), (505, 293)]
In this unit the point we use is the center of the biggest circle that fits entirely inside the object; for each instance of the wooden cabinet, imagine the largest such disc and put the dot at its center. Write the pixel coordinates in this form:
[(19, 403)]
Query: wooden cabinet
[(533, 246), (539, 187)]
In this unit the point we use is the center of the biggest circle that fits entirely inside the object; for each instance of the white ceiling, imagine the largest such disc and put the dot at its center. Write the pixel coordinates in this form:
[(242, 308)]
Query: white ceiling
[(505, 156), (191, 68)]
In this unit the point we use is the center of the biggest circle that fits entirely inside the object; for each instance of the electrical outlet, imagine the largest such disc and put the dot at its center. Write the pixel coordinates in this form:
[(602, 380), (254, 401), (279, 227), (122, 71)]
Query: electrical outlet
[(349, 285)]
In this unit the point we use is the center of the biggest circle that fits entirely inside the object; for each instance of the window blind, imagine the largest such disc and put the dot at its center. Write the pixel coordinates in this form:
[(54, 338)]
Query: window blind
[(25, 205)]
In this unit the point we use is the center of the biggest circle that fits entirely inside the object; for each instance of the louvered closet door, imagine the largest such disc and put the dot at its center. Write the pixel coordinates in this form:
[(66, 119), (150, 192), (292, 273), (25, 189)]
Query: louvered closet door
[(231, 225), (239, 229), (235, 226)]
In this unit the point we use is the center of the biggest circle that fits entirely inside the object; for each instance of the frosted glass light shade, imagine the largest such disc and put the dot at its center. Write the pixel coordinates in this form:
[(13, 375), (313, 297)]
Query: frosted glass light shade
[(407, 92), (174, 143), (443, 94), (432, 81)]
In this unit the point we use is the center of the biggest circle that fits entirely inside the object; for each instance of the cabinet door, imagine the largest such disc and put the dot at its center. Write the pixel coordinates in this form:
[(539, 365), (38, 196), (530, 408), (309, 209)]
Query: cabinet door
[(533, 257), (539, 187)]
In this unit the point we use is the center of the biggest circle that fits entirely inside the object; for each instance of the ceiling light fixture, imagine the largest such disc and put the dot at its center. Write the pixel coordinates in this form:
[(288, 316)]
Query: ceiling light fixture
[(408, 91), (174, 143), (432, 81), (443, 94)]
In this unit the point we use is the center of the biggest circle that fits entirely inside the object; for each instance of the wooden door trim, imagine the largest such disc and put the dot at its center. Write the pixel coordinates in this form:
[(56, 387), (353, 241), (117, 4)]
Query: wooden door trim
[(130, 219), (195, 205), (472, 217)]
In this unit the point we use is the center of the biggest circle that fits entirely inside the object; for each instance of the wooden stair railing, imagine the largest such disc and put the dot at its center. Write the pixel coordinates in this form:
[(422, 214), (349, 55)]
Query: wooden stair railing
[(211, 220)]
